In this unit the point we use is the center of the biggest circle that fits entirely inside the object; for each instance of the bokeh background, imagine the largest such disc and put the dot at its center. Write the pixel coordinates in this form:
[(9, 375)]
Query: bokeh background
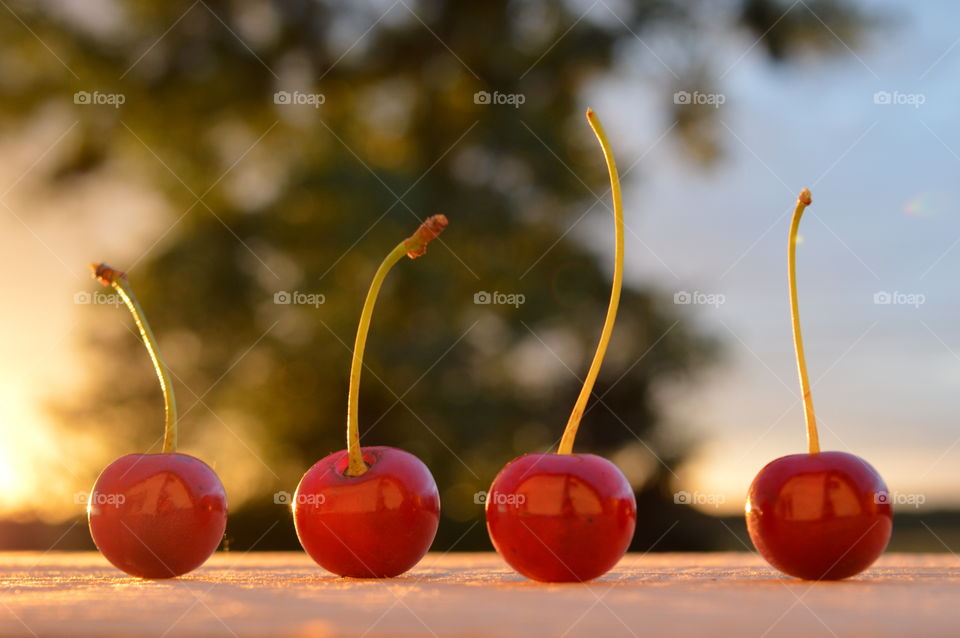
[(249, 163)]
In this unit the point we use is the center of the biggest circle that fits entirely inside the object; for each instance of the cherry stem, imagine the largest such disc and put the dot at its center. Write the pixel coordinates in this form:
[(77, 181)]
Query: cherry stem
[(118, 279), (813, 439), (573, 424), (413, 247)]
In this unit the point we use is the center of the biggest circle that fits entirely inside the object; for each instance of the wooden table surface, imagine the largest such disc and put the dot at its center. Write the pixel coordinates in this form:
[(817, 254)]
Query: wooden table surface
[(468, 595)]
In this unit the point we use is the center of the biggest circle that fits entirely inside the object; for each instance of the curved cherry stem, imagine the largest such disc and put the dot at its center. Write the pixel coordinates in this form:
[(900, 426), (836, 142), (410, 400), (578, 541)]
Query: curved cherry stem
[(118, 279), (573, 424), (813, 439), (413, 247)]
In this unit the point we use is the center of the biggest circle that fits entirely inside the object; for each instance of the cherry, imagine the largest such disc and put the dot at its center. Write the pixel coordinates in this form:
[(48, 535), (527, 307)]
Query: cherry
[(568, 517), (376, 525), (370, 512), (155, 515), (821, 515), (561, 517), (816, 516)]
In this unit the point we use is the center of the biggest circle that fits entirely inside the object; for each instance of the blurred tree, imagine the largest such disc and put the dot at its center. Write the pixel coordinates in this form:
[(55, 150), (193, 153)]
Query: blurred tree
[(268, 194)]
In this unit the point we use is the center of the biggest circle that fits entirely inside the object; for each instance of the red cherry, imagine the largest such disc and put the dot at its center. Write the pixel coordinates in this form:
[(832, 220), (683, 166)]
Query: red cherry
[(370, 512), (568, 517), (561, 517), (819, 516), (376, 525), (157, 515)]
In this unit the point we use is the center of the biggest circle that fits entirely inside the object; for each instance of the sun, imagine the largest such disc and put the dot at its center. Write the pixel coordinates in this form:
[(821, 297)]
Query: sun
[(21, 433), (8, 481)]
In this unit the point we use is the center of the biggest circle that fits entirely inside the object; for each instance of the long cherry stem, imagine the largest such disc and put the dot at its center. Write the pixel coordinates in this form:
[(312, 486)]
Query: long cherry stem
[(413, 247), (573, 424), (813, 439), (118, 279)]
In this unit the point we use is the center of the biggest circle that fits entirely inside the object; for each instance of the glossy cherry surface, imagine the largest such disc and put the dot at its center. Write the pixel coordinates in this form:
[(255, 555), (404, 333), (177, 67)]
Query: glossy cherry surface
[(376, 525), (822, 516), (561, 517), (157, 515)]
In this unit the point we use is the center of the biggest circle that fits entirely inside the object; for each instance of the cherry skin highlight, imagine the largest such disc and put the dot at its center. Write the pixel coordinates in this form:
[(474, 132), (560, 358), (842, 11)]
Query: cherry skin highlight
[(376, 525), (561, 517), (157, 515), (817, 516)]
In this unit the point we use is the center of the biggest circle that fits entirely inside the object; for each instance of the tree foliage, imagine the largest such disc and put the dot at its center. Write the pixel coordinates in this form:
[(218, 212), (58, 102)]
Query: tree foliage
[(268, 197)]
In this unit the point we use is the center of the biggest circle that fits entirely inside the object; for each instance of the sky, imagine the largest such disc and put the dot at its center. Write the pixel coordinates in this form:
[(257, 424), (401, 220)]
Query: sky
[(884, 225)]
